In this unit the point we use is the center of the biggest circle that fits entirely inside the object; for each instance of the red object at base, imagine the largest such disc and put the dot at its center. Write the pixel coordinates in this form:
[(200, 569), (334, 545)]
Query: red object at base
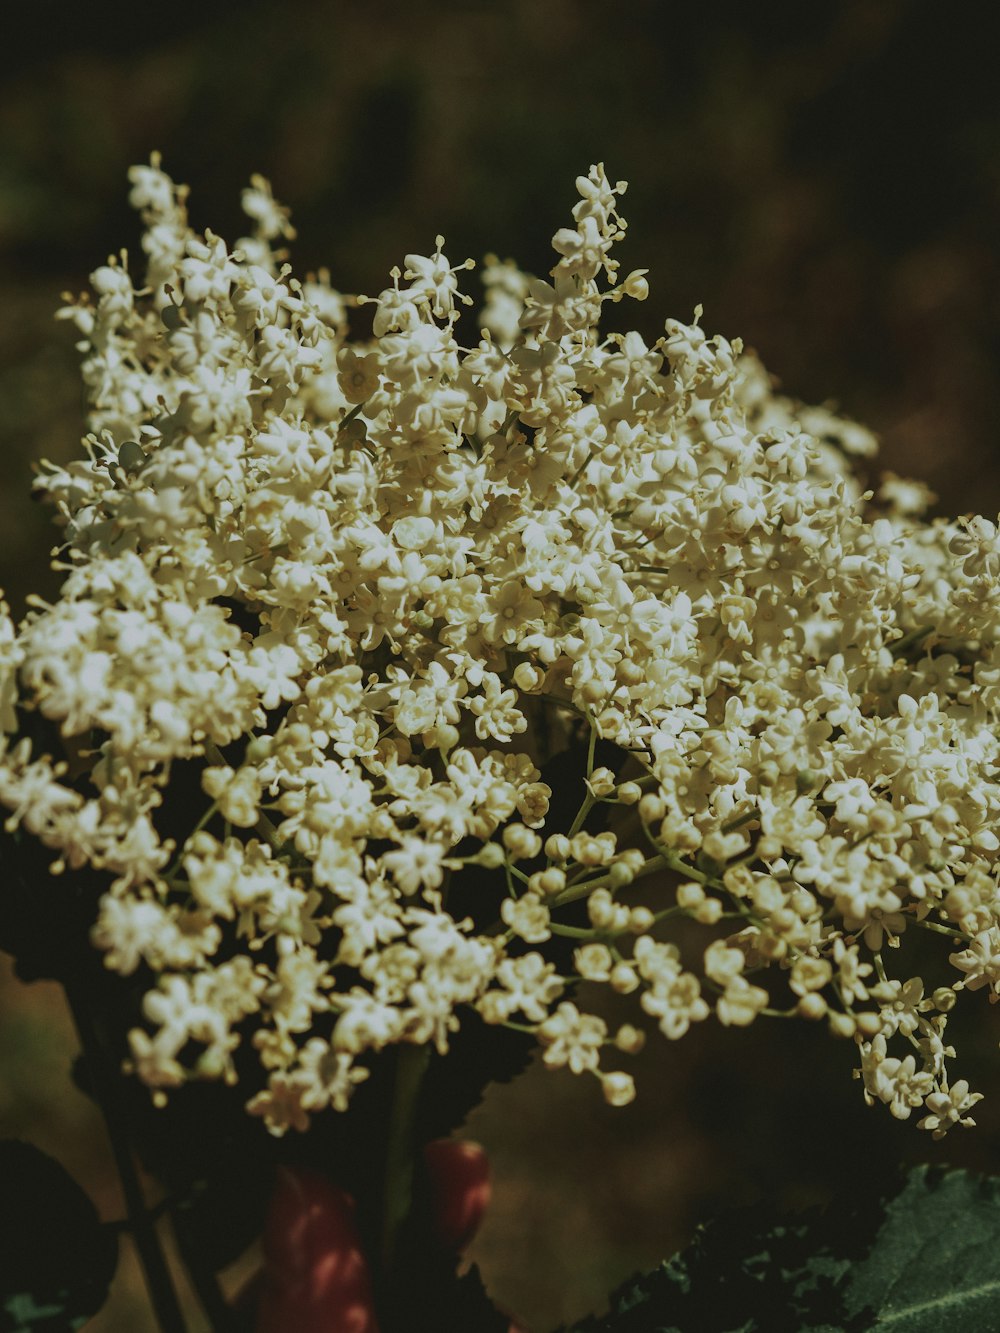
[(316, 1278), (460, 1187)]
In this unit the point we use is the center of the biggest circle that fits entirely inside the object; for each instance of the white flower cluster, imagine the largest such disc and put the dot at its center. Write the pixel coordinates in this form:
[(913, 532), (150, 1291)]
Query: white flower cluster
[(367, 587)]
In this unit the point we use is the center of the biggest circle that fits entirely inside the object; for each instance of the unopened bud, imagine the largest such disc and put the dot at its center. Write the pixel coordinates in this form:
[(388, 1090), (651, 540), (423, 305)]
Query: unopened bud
[(630, 1039), (689, 896), (522, 843), (601, 782), (528, 678), (618, 1088), (869, 1025), (708, 912), (623, 979), (841, 1025), (771, 946), (558, 847), (548, 882), (812, 1006), (490, 857), (652, 808), (640, 919), (600, 909), (621, 874)]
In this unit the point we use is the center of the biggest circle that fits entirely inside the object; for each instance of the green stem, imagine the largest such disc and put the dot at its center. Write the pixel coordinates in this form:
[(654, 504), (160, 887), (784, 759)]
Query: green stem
[(588, 804), (941, 930), (400, 1152), (909, 640), (576, 932), (159, 1283), (573, 892)]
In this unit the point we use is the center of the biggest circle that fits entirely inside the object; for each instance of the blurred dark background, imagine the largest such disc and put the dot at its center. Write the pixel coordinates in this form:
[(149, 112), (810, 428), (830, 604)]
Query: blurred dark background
[(824, 178)]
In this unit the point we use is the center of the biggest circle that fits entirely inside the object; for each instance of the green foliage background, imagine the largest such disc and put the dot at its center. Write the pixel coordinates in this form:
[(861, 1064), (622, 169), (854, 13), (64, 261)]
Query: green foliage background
[(824, 177)]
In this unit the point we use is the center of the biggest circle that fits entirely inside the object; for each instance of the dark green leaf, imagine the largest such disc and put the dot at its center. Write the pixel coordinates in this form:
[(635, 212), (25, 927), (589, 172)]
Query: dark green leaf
[(925, 1259), (57, 1259), (935, 1265)]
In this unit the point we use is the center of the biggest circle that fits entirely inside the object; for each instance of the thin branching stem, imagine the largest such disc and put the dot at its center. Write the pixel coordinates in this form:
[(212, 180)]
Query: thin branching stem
[(159, 1282)]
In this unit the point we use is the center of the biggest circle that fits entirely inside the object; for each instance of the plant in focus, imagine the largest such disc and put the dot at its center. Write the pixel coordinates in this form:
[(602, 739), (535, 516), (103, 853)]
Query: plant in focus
[(402, 681)]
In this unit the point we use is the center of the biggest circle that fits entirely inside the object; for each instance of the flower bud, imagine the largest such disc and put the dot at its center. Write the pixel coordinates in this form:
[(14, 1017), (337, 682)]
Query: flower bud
[(528, 678), (771, 946), (841, 1025), (640, 919), (258, 749), (443, 737), (490, 857), (621, 874), (623, 979), (689, 896), (548, 882), (652, 808), (601, 782), (708, 912), (630, 1039), (522, 843), (812, 1006), (558, 847), (618, 1088), (869, 1025), (601, 909)]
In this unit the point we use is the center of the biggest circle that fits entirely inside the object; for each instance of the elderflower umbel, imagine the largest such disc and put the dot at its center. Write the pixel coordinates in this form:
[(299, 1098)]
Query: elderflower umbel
[(369, 586)]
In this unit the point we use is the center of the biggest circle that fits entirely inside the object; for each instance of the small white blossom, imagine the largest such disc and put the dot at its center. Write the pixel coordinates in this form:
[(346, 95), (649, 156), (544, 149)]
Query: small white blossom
[(572, 1039)]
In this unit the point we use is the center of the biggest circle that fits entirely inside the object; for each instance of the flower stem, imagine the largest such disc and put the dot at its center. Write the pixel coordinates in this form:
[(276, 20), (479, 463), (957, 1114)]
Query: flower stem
[(412, 1062), (159, 1283)]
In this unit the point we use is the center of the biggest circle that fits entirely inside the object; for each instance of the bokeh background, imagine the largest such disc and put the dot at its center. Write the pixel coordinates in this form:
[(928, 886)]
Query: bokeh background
[(824, 178)]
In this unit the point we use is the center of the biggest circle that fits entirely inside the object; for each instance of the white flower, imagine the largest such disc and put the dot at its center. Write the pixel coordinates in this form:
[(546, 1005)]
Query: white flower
[(896, 1083), (281, 1105), (740, 1003), (391, 578), (980, 962), (496, 711), (327, 1077), (900, 1005), (723, 963), (270, 218), (947, 1108), (237, 793), (529, 984), (528, 917), (415, 864), (572, 1039), (365, 1023)]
